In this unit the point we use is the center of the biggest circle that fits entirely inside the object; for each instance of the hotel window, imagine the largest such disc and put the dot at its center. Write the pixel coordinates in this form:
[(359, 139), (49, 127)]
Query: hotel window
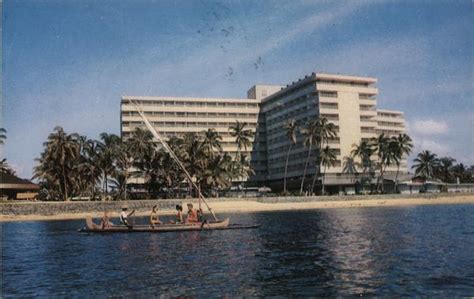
[(328, 105), (328, 94), (365, 96)]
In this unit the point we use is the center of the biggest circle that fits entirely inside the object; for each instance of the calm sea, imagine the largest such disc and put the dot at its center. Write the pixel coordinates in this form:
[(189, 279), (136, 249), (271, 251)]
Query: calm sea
[(410, 251)]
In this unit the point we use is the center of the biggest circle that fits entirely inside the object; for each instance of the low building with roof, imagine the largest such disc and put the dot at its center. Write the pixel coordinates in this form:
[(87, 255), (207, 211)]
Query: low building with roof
[(13, 187)]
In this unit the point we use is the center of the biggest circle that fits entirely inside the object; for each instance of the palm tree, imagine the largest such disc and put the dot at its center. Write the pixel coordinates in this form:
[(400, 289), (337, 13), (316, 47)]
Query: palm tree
[(425, 164), (56, 162), (291, 128), (5, 168), (402, 146), (108, 149), (3, 135), (364, 151), (326, 130), (243, 138), (444, 170), (350, 166), (87, 171), (460, 171), (141, 144), (212, 141), (215, 176), (123, 166), (244, 170), (311, 133), (386, 154), (242, 135), (328, 159)]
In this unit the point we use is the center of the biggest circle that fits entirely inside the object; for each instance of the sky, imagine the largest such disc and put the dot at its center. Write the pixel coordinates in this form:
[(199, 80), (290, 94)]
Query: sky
[(67, 63)]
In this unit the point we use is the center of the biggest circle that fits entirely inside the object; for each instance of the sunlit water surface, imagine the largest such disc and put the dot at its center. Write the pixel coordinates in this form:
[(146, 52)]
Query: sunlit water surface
[(425, 250)]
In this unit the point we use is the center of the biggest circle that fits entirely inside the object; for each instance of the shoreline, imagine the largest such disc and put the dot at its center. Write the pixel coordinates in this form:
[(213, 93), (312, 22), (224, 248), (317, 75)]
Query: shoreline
[(255, 205)]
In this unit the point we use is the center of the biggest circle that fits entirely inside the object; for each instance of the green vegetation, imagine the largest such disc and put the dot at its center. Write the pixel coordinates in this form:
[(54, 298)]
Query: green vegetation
[(291, 128), (387, 150), (4, 167), (3, 135), (428, 166), (72, 165), (328, 159), (317, 132)]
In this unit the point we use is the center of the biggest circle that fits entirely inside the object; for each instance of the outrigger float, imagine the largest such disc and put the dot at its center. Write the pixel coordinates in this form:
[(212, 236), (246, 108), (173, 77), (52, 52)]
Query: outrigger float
[(214, 224)]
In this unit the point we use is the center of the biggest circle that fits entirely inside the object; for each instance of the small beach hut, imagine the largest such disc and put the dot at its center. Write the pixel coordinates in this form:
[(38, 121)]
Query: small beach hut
[(12, 187)]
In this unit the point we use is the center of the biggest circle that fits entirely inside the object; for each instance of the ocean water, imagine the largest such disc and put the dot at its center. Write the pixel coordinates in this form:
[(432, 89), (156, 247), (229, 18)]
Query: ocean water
[(409, 251)]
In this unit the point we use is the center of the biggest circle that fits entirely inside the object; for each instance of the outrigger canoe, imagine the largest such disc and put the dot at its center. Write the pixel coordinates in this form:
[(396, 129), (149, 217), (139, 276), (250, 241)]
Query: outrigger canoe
[(92, 227), (215, 224)]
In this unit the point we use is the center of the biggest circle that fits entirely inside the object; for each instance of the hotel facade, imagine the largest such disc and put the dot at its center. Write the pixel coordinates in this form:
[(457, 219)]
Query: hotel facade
[(350, 102)]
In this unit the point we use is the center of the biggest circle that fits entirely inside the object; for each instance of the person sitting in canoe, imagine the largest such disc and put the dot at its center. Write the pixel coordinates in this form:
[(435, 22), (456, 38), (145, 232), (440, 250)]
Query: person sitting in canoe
[(154, 220), (105, 221), (179, 215), (124, 217), (192, 214)]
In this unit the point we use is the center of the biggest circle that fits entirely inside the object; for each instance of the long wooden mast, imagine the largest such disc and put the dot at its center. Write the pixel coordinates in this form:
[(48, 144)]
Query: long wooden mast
[(174, 157)]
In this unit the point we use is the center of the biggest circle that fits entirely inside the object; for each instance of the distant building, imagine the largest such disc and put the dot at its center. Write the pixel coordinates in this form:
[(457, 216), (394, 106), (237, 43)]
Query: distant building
[(12, 187), (350, 102)]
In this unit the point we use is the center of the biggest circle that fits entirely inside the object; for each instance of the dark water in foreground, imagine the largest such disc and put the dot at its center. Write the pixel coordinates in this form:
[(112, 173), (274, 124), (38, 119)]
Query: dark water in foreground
[(425, 250)]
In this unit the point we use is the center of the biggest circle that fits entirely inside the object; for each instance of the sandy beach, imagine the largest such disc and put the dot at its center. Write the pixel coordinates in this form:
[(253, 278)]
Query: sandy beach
[(248, 206)]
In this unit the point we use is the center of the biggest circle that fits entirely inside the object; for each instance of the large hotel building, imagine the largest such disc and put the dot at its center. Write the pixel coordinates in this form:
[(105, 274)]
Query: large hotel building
[(350, 102)]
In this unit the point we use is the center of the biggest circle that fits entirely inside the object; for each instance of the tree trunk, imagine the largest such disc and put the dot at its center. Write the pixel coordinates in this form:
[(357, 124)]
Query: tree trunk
[(379, 188), (396, 178), (305, 168), (125, 187), (323, 189), (317, 170), (382, 170), (286, 167), (65, 184), (314, 181), (105, 182)]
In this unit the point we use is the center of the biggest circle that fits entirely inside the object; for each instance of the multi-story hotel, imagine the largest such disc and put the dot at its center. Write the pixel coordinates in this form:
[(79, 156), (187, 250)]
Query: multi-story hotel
[(350, 102)]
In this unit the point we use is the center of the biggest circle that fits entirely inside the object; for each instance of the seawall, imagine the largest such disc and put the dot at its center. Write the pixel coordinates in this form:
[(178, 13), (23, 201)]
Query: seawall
[(11, 211)]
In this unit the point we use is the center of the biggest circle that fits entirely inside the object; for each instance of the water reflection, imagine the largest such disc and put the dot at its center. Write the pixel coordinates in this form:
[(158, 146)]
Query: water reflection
[(384, 251)]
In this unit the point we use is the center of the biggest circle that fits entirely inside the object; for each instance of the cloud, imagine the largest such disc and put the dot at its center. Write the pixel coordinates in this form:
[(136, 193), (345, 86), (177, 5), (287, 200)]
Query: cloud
[(429, 127), (296, 30), (441, 149)]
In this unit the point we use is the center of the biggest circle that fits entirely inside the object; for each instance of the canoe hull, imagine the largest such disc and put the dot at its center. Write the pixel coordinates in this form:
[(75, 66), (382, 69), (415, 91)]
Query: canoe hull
[(216, 225)]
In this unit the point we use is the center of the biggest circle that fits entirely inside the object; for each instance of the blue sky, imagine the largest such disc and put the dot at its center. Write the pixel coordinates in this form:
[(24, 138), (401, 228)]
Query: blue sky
[(68, 63)]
